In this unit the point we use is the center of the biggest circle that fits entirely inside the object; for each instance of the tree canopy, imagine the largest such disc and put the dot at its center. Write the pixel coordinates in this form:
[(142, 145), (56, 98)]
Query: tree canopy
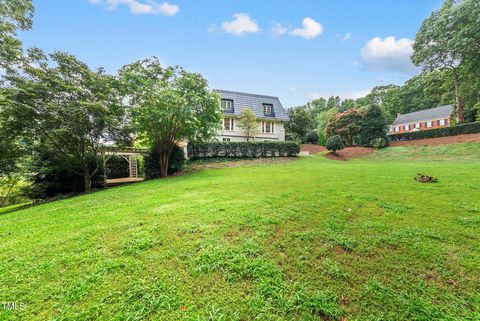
[(14, 15), (57, 100), (169, 105)]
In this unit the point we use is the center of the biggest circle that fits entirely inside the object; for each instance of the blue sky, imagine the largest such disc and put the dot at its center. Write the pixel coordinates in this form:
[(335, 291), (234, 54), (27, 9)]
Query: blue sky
[(297, 50)]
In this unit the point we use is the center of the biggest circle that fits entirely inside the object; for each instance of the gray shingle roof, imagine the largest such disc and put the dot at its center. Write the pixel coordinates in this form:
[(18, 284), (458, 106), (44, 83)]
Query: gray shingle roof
[(255, 103), (422, 115)]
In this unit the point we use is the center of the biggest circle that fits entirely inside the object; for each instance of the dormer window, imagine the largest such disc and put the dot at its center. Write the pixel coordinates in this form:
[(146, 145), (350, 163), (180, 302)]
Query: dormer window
[(267, 109), (227, 105)]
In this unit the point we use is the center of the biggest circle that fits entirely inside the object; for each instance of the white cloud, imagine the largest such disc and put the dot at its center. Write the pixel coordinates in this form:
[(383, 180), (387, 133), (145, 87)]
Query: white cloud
[(292, 89), (346, 95), (310, 30), (141, 7), (344, 37), (240, 25), (389, 54), (278, 29)]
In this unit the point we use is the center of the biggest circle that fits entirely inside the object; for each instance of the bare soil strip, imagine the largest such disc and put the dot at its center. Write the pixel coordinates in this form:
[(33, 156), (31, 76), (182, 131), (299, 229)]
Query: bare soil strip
[(439, 140)]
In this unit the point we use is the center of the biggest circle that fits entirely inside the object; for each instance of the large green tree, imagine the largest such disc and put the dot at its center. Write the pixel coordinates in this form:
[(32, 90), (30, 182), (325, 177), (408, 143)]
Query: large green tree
[(299, 124), (449, 38), (62, 104), (14, 15), (169, 105)]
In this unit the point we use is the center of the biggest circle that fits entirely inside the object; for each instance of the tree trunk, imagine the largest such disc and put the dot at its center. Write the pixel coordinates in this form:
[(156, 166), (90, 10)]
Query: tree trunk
[(164, 153), (87, 181), (460, 118)]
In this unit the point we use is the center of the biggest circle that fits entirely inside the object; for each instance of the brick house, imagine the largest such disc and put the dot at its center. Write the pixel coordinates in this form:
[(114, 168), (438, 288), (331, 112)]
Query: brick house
[(269, 111), (422, 120)]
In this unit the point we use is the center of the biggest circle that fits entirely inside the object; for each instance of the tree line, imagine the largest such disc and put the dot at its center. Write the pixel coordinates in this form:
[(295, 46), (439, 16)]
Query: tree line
[(56, 113), (446, 49)]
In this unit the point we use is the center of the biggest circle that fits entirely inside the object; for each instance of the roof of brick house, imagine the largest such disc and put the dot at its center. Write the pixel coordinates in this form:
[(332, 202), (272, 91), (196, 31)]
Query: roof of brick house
[(424, 115)]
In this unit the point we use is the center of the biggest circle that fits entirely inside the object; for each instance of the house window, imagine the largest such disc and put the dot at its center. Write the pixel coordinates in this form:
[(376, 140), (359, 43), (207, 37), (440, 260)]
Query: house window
[(227, 105), (407, 127), (268, 127), (429, 124), (442, 122), (229, 124), (226, 139), (417, 125), (397, 129), (267, 109)]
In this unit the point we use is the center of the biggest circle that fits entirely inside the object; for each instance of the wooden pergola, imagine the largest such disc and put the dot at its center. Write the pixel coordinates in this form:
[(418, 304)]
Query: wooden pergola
[(130, 154)]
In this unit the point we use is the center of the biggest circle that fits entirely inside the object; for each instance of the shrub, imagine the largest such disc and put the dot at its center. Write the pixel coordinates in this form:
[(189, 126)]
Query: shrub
[(378, 142), (52, 176), (334, 143), (242, 149), (312, 137), (151, 167), (470, 128), (347, 124)]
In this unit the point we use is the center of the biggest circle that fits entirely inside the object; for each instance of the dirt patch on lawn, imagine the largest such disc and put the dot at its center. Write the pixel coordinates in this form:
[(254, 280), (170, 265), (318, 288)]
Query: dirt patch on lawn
[(350, 152), (312, 149), (440, 140)]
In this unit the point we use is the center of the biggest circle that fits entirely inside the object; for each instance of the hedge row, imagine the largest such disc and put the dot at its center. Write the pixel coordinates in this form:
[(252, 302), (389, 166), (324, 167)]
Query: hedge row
[(242, 149), (470, 128)]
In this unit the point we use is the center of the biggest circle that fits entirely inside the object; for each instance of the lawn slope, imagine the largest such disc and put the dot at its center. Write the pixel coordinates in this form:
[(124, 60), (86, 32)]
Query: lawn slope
[(313, 239)]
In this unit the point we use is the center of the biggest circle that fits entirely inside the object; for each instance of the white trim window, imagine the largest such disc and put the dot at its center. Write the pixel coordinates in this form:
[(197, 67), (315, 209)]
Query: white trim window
[(226, 104), (417, 125), (229, 124), (397, 129), (226, 139), (407, 127), (429, 124), (268, 127), (442, 122), (267, 109)]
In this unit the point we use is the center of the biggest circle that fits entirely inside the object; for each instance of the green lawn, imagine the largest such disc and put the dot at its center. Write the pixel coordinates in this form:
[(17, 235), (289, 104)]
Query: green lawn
[(314, 239)]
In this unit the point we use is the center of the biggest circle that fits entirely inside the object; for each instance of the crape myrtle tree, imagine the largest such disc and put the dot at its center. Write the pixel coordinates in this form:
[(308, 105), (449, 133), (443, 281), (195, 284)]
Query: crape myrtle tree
[(347, 125), (248, 123), (14, 15), (57, 100), (169, 105), (448, 39)]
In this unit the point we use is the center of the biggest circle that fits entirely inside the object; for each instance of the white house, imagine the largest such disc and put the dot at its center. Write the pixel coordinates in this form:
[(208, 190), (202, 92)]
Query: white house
[(270, 114)]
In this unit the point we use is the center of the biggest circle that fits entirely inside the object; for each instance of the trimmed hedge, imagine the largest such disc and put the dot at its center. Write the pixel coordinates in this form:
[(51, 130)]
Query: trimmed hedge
[(242, 149), (470, 128)]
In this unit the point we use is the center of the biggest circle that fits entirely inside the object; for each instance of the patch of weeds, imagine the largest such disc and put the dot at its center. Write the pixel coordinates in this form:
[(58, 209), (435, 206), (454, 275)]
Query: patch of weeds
[(308, 236), (251, 248), (470, 208), (144, 299), (345, 242), (473, 222), (394, 208), (410, 234), (332, 268), (190, 229), (79, 289), (401, 305), (138, 243)]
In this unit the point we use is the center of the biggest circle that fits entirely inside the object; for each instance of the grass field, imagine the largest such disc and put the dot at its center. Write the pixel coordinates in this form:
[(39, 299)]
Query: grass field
[(313, 239)]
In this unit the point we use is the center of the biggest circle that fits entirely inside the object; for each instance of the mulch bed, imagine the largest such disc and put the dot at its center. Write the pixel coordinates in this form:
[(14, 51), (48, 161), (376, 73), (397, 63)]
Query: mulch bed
[(440, 140), (349, 152), (313, 149)]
